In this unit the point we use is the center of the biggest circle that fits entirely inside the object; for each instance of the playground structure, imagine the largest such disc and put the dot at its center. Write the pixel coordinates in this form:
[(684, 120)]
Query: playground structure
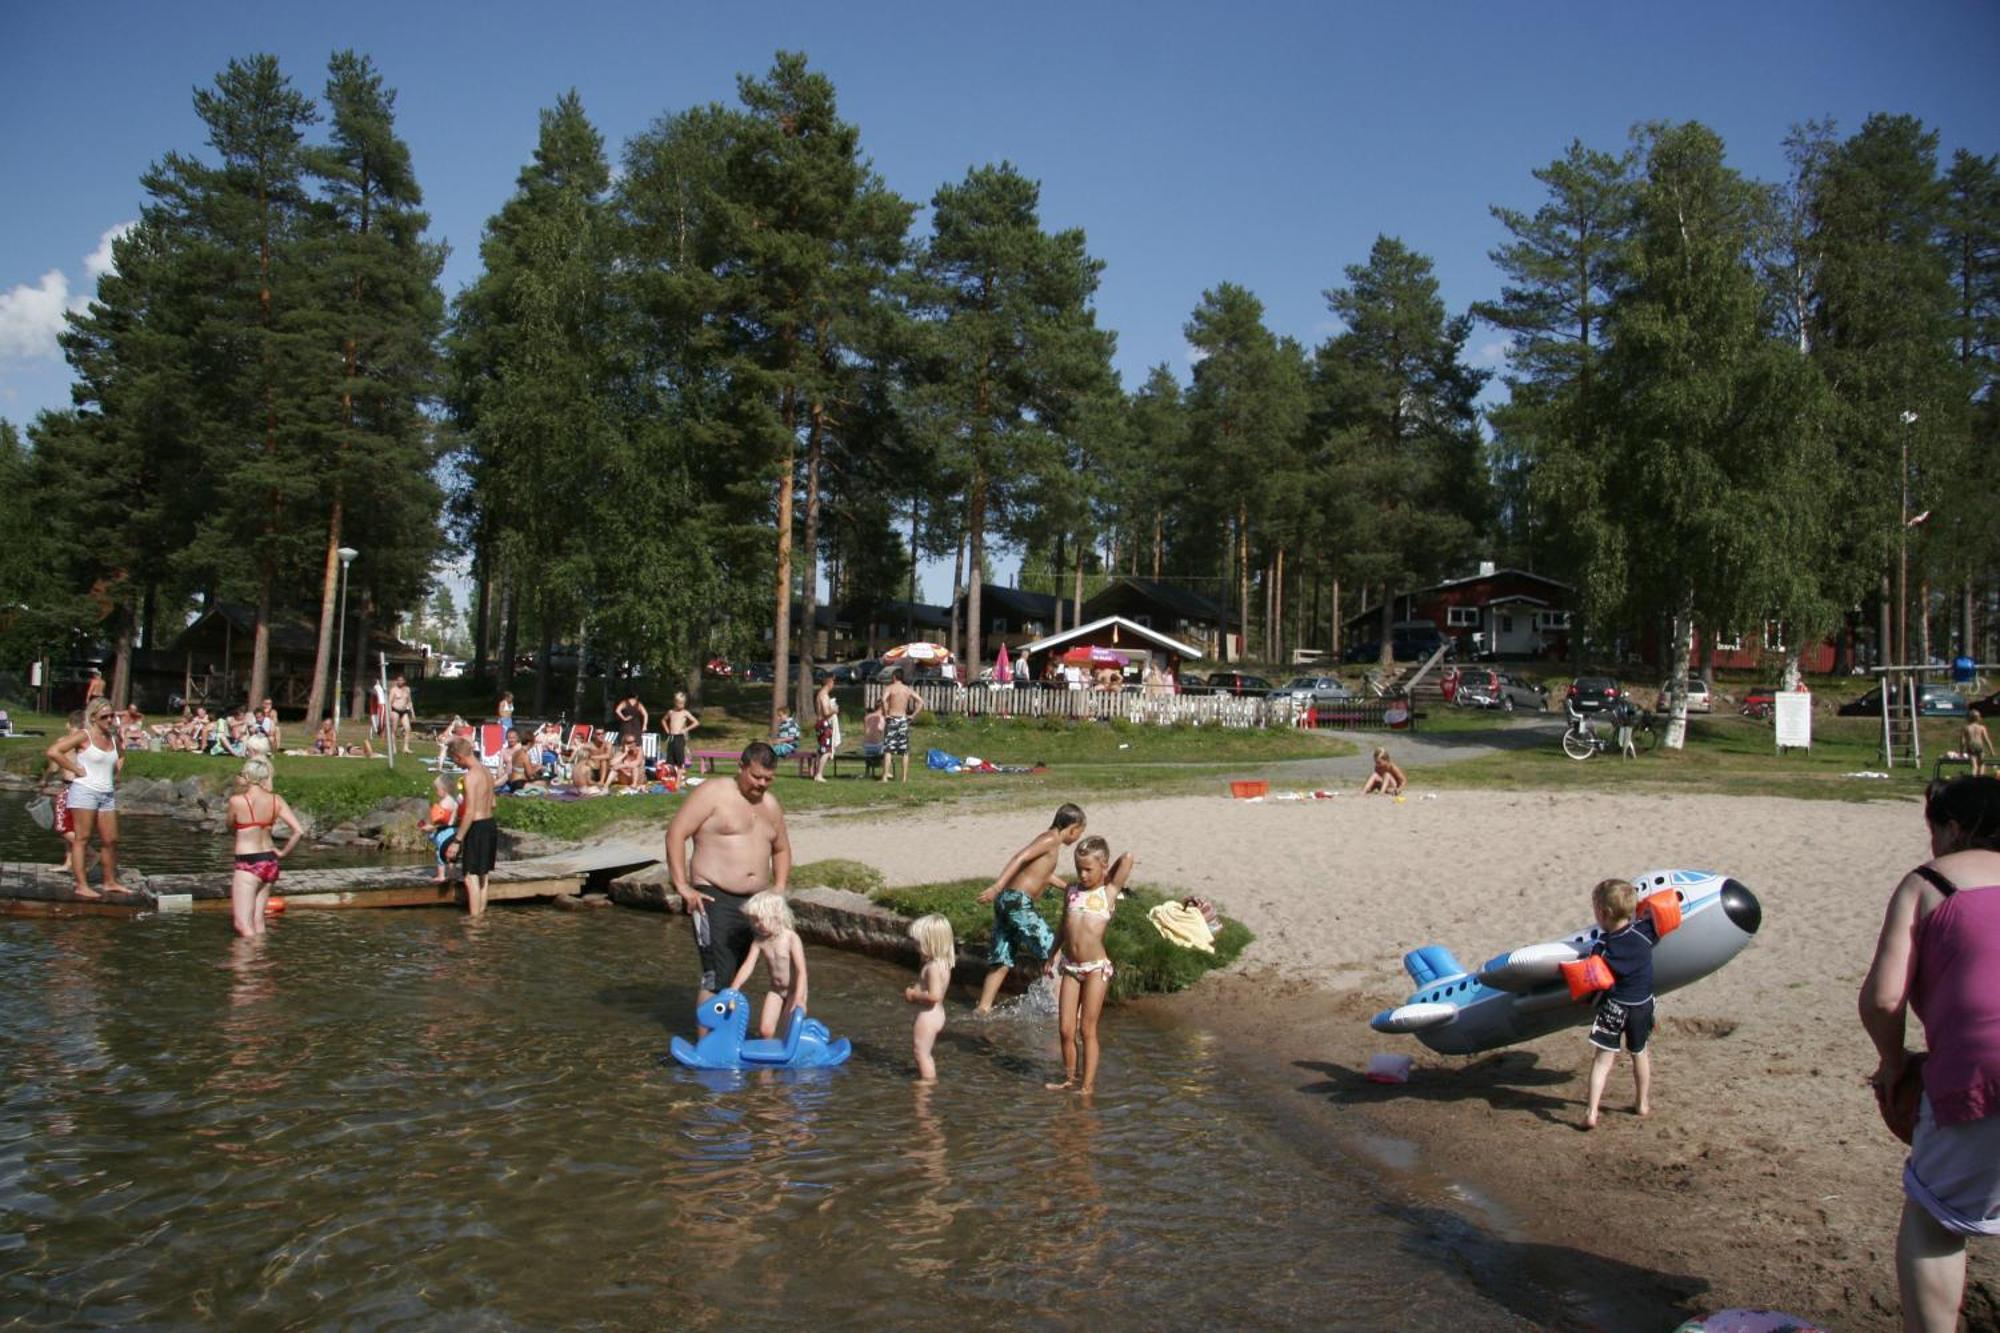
[(1902, 740)]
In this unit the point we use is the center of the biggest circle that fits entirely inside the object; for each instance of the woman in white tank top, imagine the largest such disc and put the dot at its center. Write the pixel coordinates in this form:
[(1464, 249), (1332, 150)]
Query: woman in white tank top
[(91, 759)]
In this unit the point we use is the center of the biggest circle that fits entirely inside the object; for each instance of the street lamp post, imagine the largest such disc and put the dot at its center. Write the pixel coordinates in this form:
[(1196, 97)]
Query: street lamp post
[(346, 554)]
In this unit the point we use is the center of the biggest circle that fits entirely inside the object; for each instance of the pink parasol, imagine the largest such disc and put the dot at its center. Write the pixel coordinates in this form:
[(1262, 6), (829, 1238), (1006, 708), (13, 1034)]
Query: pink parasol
[(1002, 668)]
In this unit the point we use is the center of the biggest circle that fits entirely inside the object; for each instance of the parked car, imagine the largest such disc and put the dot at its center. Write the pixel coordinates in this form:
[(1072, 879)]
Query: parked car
[(718, 668), (1932, 701), (1316, 690), (1237, 682), (1498, 689), (1699, 700), (1987, 707), (1593, 694), (1760, 701), (1415, 640), (1357, 654), (867, 669), (1191, 682), (755, 673)]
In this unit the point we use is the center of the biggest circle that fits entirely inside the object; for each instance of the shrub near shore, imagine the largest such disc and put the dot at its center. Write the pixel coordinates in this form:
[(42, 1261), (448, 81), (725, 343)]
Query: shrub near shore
[(1146, 961)]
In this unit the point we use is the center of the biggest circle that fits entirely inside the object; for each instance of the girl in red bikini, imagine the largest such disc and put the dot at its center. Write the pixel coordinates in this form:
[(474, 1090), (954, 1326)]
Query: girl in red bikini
[(1086, 969), (252, 811)]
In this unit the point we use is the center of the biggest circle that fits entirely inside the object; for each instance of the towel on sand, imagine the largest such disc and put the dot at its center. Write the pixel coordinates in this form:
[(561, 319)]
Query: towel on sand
[(1182, 925)]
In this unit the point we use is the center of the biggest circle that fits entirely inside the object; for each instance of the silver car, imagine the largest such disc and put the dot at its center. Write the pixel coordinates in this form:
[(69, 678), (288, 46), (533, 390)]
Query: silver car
[(1316, 690), (1497, 689)]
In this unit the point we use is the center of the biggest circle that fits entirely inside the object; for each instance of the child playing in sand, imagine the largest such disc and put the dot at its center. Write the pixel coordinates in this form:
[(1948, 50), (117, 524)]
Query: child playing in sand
[(1387, 778), (1625, 1012), (777, 943), (1086, 969), (1017, 926), (440, 824), (935, 946)]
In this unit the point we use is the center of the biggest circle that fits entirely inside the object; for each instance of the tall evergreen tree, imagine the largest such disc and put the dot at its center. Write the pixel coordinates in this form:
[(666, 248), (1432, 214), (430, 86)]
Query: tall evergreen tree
[(1397, 407), (381, 308), (1008, 342)]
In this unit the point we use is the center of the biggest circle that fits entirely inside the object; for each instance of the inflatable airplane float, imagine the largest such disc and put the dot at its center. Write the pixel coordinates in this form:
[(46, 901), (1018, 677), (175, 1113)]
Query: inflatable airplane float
[(1525, 994), (726, 1014)]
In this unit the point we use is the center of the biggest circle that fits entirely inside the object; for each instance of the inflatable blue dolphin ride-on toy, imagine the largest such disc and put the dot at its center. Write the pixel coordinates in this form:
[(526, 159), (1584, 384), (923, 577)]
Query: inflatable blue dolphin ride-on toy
[(1522, 995), (726, 1014)]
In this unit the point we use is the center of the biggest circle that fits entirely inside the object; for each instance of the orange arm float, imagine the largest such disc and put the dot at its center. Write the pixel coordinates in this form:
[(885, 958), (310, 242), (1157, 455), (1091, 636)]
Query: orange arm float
[(1664, 908), (1587, 976)]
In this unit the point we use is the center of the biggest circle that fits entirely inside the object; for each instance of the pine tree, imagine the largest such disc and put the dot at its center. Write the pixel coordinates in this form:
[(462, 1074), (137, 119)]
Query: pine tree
[(379, 304), (1007, 342), (1397, 407)]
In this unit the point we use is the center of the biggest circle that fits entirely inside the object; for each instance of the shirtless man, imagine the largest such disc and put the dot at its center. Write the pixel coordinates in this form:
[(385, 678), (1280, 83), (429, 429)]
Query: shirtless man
[(1016, 923), (679, 723), (740, 849), (900, 703), (401, 708), (477, 847)]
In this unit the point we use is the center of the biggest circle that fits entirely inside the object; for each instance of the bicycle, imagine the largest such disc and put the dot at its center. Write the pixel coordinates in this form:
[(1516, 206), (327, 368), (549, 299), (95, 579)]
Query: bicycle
[(1580, 739)]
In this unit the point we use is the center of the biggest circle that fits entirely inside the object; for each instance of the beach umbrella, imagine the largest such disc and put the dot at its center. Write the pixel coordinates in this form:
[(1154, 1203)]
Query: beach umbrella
[(918, 652), (1002, 668)]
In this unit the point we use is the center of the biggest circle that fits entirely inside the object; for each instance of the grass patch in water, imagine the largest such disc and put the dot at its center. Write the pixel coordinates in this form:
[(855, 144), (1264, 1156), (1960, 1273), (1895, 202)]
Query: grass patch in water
[(1147, 962), (835, 873)]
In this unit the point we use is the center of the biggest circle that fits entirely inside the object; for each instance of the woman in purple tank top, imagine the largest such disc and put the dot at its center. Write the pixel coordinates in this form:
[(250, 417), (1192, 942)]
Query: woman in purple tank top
[(1939, 954)]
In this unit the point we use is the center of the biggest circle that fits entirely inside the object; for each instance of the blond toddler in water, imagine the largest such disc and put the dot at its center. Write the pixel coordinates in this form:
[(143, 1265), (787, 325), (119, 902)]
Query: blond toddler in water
[(939, 953), (777, 943)]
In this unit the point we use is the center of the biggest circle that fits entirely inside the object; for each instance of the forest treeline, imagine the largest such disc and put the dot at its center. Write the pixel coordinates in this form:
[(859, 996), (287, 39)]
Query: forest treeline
[(681, 395)]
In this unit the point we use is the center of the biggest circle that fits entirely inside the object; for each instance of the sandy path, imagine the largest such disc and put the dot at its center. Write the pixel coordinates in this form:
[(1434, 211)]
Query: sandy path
[(1763, 1178)]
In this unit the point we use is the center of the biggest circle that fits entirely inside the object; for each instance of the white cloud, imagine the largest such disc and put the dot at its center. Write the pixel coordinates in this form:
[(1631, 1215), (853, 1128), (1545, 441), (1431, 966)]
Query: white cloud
[(98, 262), (1491, 354), (1195, 355), (31, 315)]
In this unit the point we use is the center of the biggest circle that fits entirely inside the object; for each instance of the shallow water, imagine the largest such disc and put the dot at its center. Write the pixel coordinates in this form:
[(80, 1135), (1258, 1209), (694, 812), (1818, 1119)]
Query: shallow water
[(401, 1118), (163, 845)]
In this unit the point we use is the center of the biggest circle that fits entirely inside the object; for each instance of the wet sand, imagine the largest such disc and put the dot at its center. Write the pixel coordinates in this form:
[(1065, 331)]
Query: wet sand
[(1763, 1177)]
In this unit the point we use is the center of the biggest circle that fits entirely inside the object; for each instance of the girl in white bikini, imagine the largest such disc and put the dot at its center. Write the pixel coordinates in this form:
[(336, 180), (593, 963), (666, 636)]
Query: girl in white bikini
[(1086, 969)]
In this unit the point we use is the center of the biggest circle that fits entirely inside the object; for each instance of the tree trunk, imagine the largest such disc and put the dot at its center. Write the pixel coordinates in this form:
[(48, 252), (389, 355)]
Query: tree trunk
[(582, 669), (1333, 640), (809, 593), (323, 652), (1076, 605), (510, 617), (1683, 631), (1386, 655), (121, 660), (1968, 642), (482, 587), (548, 650), (1159, 542), (260, 641), (916, 514), (781, 635), (1885, 647), (1243, 569), (1278, 612), (953, 642), (357, 705), (1056, 568), (975, 573)]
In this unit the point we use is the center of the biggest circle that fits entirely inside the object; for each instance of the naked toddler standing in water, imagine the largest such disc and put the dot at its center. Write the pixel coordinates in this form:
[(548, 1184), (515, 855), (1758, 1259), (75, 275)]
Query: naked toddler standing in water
[(939, 953)]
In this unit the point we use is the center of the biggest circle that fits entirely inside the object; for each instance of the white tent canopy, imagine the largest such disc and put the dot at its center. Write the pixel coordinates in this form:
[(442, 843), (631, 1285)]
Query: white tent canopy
[(1121, 627)]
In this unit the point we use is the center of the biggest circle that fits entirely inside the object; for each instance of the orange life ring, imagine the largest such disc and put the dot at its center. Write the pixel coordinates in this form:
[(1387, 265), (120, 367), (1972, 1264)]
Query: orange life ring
[(274, 906)]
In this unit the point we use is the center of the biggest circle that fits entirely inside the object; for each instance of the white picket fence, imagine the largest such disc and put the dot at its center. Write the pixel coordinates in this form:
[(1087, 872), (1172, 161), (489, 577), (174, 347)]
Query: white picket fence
[(1129, 705)]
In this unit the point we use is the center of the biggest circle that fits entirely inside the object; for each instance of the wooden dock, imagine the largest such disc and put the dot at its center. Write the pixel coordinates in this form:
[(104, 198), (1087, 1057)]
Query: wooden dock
[(41, 890)]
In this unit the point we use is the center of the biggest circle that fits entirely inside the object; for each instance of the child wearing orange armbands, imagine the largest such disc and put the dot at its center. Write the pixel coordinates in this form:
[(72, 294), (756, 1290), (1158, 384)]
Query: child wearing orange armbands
[(1625, 1011)]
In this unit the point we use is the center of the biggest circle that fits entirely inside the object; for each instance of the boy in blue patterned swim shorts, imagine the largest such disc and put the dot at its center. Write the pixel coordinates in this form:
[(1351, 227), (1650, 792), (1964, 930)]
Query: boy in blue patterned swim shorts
[(1017, 926)]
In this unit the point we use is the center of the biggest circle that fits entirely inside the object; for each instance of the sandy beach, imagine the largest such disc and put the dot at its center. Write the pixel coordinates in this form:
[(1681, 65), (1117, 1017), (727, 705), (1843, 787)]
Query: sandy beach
[(1763, 1177)]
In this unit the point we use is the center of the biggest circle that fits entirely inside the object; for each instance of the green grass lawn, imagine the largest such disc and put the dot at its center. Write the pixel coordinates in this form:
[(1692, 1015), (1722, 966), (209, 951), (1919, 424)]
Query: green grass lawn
[(1725, 753), (1146, 962), (1082, 758)]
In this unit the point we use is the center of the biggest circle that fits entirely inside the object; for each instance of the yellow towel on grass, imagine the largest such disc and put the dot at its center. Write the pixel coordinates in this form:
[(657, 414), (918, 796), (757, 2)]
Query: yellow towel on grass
[(1183, 926)]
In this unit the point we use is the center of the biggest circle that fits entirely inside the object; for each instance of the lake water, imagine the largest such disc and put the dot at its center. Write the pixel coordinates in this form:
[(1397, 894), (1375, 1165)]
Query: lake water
[(163, 845), (383, 1119)]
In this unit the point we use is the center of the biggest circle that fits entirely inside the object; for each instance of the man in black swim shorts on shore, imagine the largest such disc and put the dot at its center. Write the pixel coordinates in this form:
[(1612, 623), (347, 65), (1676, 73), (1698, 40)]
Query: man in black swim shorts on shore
[(740, 849)]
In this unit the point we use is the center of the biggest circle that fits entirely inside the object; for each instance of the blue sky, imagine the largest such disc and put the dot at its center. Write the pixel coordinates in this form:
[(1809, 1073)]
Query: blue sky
[(1261, 143)]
